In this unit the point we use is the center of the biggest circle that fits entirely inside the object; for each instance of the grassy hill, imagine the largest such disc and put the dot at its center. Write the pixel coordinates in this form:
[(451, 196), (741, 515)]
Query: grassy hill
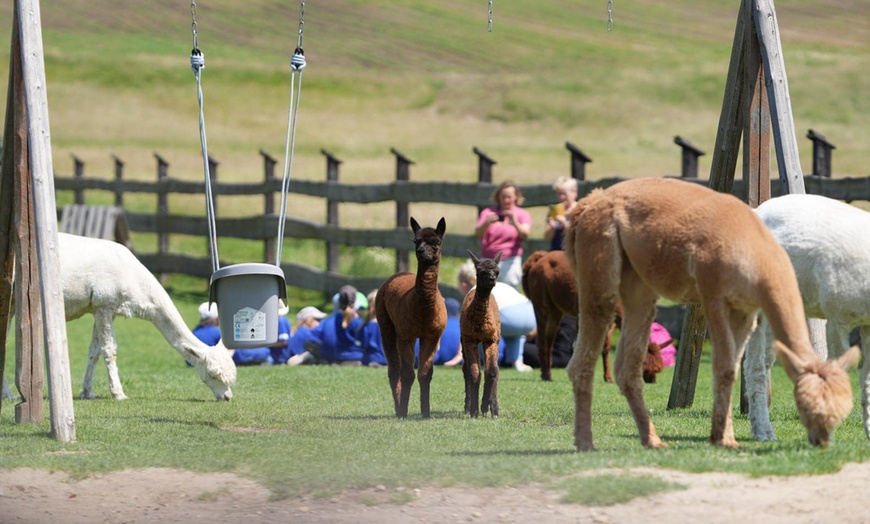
[(428, 79)]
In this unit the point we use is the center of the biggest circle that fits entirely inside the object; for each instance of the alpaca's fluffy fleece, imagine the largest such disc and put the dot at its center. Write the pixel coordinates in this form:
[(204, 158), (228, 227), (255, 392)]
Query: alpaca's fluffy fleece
[(105, 279), (826, 241), (647, 238)]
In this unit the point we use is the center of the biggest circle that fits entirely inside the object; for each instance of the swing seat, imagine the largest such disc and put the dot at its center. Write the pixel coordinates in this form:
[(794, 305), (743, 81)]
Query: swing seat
[(247, 299)]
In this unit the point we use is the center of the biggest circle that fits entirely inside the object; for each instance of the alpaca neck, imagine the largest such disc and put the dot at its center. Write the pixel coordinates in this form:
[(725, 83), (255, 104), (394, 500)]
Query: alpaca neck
[(426, 285), (788, 323), (165, 316)]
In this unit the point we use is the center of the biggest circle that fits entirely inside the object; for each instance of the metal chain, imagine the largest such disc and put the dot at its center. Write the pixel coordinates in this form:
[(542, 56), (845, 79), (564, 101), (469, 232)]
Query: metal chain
[(193, 23), (610, 15), (301, 24), (489, 18)]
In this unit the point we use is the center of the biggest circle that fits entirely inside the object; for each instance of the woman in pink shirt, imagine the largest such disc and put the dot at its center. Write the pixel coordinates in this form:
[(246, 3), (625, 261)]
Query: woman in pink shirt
[(502, 228)]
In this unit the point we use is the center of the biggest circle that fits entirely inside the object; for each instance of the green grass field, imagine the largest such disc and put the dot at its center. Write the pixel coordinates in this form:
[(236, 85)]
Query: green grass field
[(321, 429), (430, 81)]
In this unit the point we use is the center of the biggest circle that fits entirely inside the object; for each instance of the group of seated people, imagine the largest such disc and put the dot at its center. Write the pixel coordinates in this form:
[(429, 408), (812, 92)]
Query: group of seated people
[(350, 334)]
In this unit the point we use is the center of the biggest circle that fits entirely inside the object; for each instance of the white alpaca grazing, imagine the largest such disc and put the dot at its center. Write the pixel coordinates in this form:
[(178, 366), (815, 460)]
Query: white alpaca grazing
[(828, 242), (105, 279), (645, 238)]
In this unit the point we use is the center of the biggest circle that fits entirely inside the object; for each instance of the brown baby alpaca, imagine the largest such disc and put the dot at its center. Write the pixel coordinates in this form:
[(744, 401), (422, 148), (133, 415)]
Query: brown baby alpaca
[(480, 325)]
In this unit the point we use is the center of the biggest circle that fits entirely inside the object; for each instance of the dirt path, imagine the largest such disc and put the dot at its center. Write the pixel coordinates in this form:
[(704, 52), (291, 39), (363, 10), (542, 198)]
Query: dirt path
[(173, 496)]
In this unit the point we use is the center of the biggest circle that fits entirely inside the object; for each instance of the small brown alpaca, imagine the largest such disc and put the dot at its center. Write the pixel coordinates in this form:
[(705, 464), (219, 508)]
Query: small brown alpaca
[(411, 307), (645, 238), (480, 324), (549, 284)]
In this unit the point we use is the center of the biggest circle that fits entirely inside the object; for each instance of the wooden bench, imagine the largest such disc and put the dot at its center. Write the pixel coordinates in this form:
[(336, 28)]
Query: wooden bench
[(106, 222)]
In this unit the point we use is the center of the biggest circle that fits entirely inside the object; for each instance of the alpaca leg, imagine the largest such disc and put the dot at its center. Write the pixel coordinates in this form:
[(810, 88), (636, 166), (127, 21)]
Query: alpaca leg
[(756, 366), (406, 377), (594, 319), (94, 352), (490, 386), (638, 305), (548, 327), (471, 371), (865, 380), (424, 374), (104, 325), (729, 331), (394, 363), (605, 353)]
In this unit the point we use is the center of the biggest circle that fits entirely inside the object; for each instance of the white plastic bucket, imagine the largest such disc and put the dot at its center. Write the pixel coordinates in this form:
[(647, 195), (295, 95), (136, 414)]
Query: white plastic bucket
[(247, 299)]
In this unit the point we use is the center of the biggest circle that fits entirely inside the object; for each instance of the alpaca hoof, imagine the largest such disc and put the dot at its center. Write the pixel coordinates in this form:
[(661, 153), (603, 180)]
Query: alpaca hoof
[(87, 395), (655, 444), (726, 443), (119, 396), (584, 446)]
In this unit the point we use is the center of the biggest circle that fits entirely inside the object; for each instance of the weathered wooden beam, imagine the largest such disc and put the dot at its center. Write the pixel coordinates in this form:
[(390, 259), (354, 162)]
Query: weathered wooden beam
[(39, 140)]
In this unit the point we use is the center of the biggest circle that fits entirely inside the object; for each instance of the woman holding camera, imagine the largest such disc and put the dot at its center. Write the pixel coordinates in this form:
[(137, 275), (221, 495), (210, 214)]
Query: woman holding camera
[(502, 228)]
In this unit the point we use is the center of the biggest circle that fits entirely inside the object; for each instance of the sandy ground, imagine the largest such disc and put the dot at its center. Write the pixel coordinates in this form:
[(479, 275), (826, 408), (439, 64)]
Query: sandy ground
[(173, 496)]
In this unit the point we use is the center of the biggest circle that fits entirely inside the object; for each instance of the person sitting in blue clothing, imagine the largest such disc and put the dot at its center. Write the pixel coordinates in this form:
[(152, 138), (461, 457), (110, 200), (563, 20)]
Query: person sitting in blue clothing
[(370, 336), (302, 340), (449, 349), (207, 331), (280, 350), (337, 334)]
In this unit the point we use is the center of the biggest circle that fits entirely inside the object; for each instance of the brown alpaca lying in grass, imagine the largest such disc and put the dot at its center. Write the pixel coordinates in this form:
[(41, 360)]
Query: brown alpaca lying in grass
[(411, 307), (645, 238), (549, 284), (480, 324)]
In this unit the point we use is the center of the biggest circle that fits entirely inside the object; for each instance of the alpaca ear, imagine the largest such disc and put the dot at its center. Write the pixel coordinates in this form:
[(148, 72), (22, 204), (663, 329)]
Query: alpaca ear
[(441, 227), (498, 257), (793, 364), (414, 226), (850, 358), (473, 258)]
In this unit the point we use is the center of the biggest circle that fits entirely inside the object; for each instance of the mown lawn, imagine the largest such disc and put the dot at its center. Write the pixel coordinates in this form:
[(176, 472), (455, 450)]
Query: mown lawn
[(323, 429)]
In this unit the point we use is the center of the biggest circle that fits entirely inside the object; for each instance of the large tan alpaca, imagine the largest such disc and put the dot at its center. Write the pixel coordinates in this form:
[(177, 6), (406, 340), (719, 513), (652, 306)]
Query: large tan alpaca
[(646, 238), (410, 307)]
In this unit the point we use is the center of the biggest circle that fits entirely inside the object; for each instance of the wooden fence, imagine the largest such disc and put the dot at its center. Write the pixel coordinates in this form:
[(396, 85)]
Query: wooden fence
[(263, 227)]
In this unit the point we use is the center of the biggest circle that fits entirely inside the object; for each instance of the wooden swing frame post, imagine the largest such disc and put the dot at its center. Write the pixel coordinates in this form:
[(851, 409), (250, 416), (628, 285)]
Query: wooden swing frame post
[(33, 244), (755, 90)]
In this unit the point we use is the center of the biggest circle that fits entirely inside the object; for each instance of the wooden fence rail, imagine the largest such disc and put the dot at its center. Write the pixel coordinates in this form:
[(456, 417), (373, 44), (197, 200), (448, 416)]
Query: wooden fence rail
[(263, 227)]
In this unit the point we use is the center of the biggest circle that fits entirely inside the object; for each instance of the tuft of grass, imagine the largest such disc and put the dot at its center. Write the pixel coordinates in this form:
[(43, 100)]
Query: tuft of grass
[(609, 490)]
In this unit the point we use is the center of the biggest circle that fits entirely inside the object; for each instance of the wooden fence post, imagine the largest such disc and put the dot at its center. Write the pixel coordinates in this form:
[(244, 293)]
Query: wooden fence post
[(403, 174), (484, 170), (579, 159), (162, 210), (78, 174), (821, 154), (690, 154), (269, 243), (332, 251), (119, 176)]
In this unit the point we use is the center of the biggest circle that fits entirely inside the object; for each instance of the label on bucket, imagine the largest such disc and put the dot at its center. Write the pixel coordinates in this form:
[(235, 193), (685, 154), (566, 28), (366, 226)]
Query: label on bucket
[(249, 324)]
